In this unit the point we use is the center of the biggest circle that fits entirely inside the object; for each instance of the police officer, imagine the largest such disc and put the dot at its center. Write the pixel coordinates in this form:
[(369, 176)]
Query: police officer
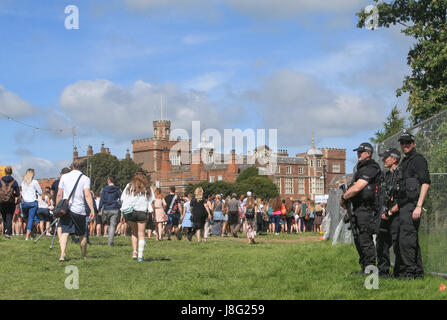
[(362, 195), (388, 231), (414, 182)]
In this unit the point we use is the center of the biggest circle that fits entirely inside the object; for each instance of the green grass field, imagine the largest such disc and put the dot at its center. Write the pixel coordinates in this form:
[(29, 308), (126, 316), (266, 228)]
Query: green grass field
[(276, 268)]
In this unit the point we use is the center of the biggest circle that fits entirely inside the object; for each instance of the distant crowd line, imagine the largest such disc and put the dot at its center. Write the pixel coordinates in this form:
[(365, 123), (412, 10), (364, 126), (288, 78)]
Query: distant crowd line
[(143, 211)]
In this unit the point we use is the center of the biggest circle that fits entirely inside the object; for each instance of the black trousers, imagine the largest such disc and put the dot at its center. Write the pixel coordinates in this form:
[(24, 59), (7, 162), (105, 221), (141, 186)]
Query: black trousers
[(289, 223), (364, 238), (7, 210), (387, 238), (409, 242)]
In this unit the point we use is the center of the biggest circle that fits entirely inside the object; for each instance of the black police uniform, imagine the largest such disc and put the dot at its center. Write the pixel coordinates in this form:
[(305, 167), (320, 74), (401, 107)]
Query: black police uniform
[(413, 172), (388, 230), (364, 208)]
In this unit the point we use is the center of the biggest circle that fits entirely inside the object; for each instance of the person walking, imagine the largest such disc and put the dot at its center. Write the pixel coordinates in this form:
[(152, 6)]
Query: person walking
[(43, 212), (174, 212), (76, 184), (159, 205), (218, 215), (233, 215), (109, 207), (289, 214), (135, 200), (186, 218), (276, 207), (9, 198), (30, 192), (200, 213), (250, 213)]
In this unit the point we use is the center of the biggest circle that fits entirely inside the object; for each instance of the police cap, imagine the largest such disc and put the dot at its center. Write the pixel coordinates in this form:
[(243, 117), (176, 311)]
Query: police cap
[(365, 146), (406, 137), (391, 152)]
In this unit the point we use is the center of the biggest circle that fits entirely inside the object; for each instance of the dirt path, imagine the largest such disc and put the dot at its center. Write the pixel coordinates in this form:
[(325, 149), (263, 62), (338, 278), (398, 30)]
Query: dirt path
[(261, 239)]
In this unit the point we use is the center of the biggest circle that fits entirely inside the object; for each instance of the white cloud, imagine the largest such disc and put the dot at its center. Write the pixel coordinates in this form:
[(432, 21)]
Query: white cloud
[(43, 168), (193, 39), (12, 105), (127, 113), (294, 8), (299, 105), (208, 81)]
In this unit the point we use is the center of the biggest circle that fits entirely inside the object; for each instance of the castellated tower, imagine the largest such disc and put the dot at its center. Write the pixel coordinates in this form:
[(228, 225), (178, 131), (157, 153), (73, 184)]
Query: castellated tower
[(162, 129)]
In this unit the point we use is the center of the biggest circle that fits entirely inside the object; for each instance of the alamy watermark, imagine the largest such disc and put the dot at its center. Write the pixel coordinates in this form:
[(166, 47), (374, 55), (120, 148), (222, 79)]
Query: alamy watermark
[(72, 281), (372, 21), (72, 20), (372, 281), (210, 142)]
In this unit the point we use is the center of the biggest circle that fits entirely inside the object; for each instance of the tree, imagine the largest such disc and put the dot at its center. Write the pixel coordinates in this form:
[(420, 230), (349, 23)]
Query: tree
[(425, 21), (394, 123), (102, 165), (126, 171), (247, 173), (261, 186)]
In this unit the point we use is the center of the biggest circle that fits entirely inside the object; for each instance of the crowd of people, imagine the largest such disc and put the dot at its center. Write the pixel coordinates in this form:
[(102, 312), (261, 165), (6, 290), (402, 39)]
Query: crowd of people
[(143, 211)]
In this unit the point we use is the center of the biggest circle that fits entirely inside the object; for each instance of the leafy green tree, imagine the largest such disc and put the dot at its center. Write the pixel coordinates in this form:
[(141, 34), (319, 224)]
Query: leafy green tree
[(262, 186), (126, 171), (102, 165), (98, 167), (247, 173), (394, 123), (425, 21)]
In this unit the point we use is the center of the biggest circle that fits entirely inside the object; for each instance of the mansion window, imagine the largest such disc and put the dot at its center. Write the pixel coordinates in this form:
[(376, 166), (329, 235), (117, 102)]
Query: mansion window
[(278, 169), (175, 160), (300, 170), (336, 167), (278, 184), (319, 163), (289, 170), (211, 178), (311, 163), (301, 186), (219, 178), (288, 182)]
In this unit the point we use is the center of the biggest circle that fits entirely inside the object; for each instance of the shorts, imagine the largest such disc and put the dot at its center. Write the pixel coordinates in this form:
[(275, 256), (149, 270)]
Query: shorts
[(271, 219), (136, 216), (98, 218), (73, 223), (174, 219), (44, 214)]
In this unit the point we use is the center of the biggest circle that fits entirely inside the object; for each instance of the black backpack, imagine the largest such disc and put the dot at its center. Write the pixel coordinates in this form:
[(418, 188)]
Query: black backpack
[(250, 213), (6, 192)]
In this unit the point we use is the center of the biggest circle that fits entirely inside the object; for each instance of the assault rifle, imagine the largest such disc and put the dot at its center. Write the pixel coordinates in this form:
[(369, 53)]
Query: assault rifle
[(349, 217)]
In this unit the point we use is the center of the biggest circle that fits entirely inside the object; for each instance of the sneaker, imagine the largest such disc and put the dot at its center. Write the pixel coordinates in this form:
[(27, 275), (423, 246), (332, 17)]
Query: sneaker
[(140, 259), (135, 255), (7, 237)]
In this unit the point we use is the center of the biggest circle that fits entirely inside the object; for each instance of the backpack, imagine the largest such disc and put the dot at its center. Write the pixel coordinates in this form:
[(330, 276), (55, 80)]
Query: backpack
[(6, 192), (250, 213)]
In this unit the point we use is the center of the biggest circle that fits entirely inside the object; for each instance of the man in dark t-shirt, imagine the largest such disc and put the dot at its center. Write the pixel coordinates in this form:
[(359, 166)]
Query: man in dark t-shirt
[(174, 211), (55, 185)]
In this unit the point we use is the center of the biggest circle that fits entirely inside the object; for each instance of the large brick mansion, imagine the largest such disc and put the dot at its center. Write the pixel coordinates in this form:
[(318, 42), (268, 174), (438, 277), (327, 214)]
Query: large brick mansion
[(303, 175)]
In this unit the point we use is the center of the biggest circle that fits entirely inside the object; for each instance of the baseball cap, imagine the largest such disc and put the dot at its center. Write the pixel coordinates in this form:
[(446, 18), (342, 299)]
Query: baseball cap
[(365, 146), (406, 137), (248, 194), (391, 152)]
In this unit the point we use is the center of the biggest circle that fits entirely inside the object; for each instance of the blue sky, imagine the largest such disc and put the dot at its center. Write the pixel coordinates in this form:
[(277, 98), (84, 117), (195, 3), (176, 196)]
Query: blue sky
[(298, 66)]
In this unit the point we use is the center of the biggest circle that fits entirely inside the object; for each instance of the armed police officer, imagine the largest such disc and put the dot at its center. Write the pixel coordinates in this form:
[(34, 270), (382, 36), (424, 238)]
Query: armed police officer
[(388, 228), (362, 195), (414, 182)]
